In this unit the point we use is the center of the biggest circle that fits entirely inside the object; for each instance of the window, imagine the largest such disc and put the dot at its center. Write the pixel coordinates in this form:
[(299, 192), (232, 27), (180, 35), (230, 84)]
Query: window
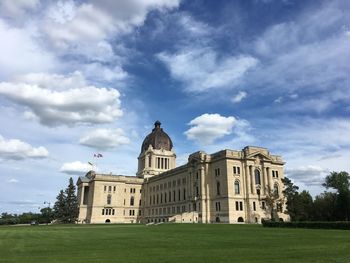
[(184, 193), (194, 207), (132, 201), (254, 206), (275, 190), (165, 198), (103, 211), (161, 198), (113, 212), (157, 199), (217, 206), (114, 188), (169, 196), (237, 190), (174, 198), (218, 188), (105, 188), (149, 161), (239, 206), (263, 205), (131, 212), (109, 188), (179, 196), (236, 170), (86, 195), (257, 177), (217, 172), (109, 199), (197, 191)]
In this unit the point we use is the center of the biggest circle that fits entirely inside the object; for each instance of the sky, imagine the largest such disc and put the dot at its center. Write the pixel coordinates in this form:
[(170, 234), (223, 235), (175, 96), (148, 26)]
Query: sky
[(84, 77)]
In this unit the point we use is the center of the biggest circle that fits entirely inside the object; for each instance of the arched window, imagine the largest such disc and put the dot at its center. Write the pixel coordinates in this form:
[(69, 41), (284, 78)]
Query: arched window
[(132, 201), (257, 177), (109, 199), (275, 189), (237, 189), (240, 219), (218, 188)]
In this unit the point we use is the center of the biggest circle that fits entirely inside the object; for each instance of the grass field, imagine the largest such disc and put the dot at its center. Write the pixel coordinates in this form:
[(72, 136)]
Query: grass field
[(171, 243)]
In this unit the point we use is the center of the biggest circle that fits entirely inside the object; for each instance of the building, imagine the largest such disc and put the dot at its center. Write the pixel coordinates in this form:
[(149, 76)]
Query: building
[(227, 186)]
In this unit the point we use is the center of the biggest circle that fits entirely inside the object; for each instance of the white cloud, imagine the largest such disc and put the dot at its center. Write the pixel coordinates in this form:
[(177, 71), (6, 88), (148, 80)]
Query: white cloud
[(104, 139), (239, 97), (13, 181), (209, 127), (16, 9), (14, 149), (64, 105), (68, 23), (19, 58), (201, 69), (75, 168), (99, 72), (308, 175)]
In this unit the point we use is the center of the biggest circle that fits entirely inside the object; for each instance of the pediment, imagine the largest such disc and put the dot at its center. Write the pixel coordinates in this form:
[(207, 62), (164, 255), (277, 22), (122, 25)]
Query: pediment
[(259, 156)]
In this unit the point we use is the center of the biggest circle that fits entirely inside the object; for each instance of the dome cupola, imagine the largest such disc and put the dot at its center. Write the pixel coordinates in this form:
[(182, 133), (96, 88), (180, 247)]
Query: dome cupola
[(158, 139)]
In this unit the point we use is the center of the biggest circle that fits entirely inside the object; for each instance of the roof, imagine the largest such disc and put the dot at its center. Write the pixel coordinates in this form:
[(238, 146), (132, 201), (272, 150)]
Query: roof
[(158, 139)]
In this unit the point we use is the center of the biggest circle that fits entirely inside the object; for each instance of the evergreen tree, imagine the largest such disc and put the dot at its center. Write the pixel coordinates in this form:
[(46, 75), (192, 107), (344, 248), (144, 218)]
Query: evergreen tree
[(59, 208), (66, 206), (72, 210)]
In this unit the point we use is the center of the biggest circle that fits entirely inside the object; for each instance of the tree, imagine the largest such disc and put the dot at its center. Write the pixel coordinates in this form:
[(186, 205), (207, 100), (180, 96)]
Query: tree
[(290, 192), (324, 207), (341, 183), (59, 207), (46, 215), (273, 202), (71, 202), (66, 205)]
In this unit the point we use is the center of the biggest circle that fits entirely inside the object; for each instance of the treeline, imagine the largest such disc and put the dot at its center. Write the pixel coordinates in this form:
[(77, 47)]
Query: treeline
[(333, 205), (44, 217), (65, 210)]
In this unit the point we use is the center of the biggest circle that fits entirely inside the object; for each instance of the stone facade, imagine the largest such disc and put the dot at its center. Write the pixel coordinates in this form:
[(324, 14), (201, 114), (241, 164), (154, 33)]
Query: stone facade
[(227, 187)]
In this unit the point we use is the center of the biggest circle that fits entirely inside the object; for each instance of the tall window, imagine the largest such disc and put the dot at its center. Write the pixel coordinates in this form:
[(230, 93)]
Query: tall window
[(184, 193), (149, 161), (257, 177), (218, 188), (237, 190), (109, 199), (275, 189), (132, 201)]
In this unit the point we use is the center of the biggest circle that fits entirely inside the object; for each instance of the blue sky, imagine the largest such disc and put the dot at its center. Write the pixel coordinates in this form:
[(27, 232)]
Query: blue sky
[(85, 77)]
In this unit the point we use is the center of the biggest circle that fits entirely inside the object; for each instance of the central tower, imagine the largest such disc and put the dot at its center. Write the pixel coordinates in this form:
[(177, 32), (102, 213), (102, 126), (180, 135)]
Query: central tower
[(156, 154)]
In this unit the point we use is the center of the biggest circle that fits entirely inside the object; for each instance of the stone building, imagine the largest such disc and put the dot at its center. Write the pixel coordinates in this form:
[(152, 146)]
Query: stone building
[(227, 186)]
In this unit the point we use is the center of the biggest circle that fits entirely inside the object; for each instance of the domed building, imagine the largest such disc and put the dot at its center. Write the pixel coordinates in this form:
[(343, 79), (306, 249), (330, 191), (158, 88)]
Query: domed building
[(224, 187)]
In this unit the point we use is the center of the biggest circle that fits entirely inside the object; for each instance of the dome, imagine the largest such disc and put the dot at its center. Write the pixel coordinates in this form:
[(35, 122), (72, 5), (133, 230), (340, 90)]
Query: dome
[(158, 139)]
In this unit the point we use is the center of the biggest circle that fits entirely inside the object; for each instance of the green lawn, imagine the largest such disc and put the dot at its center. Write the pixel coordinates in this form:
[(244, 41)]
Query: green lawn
[(171, 243)]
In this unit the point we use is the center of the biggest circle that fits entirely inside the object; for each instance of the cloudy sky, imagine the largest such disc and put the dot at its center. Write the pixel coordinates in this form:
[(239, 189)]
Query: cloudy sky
[(84, 77)]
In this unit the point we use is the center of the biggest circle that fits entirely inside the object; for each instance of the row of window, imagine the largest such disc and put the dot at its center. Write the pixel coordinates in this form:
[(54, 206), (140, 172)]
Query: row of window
[(132, 200), (111, 211), (160, 198), (168, 185), (109, 187), (174, 209), (108, 211), (162, 163)]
